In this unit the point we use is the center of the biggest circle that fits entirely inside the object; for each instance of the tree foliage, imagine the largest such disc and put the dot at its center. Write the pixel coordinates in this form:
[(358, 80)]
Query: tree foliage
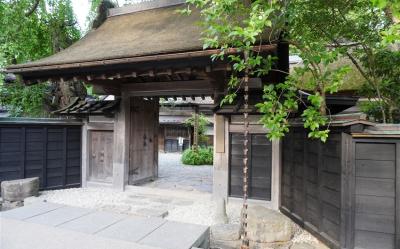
[(30, 30), (203, 122), (321, 32)]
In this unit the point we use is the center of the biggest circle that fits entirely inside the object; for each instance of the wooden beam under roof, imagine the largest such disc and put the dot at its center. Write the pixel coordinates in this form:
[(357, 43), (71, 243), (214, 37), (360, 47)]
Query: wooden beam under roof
[(26, 70), (183, 88)]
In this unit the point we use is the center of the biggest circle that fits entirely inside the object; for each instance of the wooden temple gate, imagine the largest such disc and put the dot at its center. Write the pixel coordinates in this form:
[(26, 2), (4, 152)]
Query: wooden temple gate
[(139, 64)]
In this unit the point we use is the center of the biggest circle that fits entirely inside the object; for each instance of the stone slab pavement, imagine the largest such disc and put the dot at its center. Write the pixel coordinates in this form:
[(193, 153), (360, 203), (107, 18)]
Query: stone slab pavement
[(52, 226), (172, 174)]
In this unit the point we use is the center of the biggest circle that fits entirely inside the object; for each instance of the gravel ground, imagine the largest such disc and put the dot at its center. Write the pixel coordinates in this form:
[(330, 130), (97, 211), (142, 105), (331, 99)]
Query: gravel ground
[(188, 206), (172, 174), (182, 191), (182, 206)]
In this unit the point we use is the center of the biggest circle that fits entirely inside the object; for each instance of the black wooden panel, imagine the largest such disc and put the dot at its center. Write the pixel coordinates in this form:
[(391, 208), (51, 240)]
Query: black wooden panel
[(314, 170), (375, 187), (374, 240), (51, 152), (312, 204), (331, 181), (331, 228), (375, 169), (374, 151), (331, 213), (375, 223), (332, 164), (260, 163), (171, 145), (331, 196), (375, 191)]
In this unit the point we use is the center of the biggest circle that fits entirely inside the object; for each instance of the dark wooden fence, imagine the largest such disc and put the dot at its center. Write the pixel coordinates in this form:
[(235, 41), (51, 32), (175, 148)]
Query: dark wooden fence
[(48, 149), (345, 191), (260, 166), (311, 189)]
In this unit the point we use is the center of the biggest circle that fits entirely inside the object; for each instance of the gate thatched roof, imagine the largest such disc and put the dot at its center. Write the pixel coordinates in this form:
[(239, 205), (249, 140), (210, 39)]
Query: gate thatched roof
[(150, 32)]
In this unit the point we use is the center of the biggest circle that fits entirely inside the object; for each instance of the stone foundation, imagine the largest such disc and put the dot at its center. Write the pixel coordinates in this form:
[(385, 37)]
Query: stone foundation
[(14, 192), (267, 229)]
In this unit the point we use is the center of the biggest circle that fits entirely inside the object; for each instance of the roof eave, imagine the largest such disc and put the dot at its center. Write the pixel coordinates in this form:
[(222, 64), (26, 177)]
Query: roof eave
[(26, 68)]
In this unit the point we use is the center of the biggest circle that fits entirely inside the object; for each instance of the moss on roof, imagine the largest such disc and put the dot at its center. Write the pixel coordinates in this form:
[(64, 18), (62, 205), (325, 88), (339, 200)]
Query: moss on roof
[(150, 32)]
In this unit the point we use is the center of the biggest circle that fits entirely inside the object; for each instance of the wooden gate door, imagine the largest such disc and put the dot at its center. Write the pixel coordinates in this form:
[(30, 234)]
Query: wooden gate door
[(100, 159), (143, 156)]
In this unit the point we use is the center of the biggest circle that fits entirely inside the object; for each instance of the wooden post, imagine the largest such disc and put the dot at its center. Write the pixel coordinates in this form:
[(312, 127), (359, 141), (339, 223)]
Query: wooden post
[(276, 175), (196, 128), (221, 157), (23, 153), (121, 144), (85, 155)]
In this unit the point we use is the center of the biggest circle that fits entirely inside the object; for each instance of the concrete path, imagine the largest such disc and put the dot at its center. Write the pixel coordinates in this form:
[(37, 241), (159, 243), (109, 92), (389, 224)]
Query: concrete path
[(172, 174), (47, 225)]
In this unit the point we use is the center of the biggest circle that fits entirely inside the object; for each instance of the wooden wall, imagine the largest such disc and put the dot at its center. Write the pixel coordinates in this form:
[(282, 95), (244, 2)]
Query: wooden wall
[(50, 152), (375, 195), (345, 191), (311, 184)]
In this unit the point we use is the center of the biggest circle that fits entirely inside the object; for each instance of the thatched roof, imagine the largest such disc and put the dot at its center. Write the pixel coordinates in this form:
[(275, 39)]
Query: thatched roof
[(149, 32)]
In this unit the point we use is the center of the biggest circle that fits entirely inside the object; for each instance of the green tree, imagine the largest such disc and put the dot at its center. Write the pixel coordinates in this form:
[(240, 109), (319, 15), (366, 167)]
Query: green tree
[(202, 126), (30, 30), (320, 31)]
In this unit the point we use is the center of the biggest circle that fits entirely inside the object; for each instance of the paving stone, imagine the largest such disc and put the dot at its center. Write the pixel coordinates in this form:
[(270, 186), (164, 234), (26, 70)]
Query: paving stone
[(174, 175), (183, 203), (59, 216), (132, 229), (136, 202), (163, 201), (174, 235), (30, 211), (94, 222), (25, 235), (122, 209), (138, 197), (148, 212)]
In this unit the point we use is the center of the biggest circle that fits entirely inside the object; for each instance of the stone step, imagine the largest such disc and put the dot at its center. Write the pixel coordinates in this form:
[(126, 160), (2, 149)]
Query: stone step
[(41, 220)]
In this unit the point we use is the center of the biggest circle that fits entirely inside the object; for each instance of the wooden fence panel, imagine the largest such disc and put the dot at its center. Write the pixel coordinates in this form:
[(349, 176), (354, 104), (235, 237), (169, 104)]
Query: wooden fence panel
[(375, 195), (311, 184), (260, 166), (50, 151)]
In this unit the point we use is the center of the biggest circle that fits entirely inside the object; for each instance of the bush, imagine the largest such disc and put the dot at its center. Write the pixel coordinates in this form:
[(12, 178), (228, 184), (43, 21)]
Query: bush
[(203, 156)]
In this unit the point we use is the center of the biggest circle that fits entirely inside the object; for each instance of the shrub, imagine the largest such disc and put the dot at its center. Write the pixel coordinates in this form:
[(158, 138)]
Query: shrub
[(203, 156)]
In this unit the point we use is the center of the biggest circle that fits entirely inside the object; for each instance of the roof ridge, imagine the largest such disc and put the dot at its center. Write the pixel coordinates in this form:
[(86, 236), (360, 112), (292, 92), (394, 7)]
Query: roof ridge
[(143, 6)]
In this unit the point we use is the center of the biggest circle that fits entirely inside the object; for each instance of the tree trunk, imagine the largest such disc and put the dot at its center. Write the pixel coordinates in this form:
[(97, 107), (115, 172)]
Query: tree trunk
[(196, 129), (322, 108), (63, 92)]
